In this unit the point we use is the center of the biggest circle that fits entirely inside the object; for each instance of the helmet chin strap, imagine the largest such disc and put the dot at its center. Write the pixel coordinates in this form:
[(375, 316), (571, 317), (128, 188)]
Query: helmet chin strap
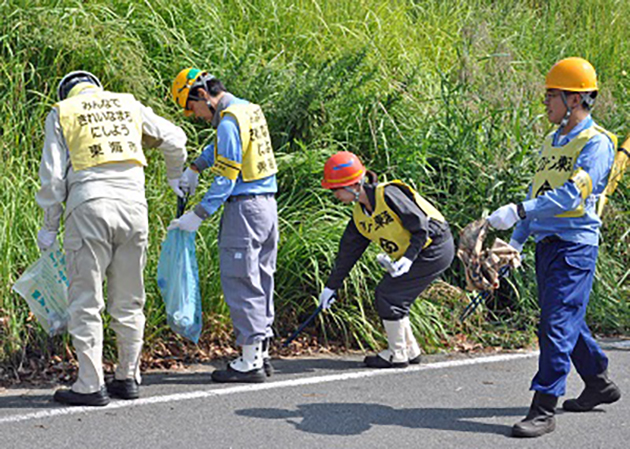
[(565, 119), (585, 98), (356, 193)]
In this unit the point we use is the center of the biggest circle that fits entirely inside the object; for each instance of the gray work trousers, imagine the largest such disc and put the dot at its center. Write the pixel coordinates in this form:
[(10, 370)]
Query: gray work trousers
[(395, 296), (248, 246), (106, 238)]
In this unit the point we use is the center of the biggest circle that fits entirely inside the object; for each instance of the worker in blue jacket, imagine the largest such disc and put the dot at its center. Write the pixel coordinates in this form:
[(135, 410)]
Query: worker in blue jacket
[(242, 161), (572, 172)]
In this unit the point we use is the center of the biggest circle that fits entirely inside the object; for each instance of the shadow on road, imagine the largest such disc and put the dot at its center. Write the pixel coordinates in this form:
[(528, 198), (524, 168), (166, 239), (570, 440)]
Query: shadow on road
[(23, 401), (304, 366), (281, 367), (354, 419)]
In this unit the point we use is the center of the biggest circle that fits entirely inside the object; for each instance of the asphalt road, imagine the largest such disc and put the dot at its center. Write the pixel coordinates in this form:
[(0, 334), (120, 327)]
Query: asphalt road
[(447, 402)]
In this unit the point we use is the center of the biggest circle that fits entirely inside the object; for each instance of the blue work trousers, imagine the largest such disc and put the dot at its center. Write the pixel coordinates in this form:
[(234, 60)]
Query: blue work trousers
[(565, 271)]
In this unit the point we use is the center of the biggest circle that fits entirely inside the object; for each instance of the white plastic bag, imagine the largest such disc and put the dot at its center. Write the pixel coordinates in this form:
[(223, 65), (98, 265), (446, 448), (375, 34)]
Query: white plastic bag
[(44, 286)]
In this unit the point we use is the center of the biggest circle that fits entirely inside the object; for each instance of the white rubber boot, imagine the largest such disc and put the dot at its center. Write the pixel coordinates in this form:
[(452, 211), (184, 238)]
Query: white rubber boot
[(413, 349), (395, 356), (250, 359), (247, 368)]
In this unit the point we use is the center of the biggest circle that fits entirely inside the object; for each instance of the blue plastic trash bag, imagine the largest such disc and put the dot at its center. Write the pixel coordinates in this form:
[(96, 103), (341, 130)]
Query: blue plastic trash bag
[(178, 280), (44, 286)]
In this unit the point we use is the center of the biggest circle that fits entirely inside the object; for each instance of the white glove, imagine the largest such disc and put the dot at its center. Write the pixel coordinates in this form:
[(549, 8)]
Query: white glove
[(400, 267), (189, 181), (188, 222), (174, 183), (504, 217), (46, 239), (385, 262), (326, 298)]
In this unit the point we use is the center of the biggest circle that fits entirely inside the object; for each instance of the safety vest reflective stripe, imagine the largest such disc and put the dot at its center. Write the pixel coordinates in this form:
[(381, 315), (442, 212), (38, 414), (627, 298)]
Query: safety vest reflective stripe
[(101, 128), (385, 227), (258, 158)]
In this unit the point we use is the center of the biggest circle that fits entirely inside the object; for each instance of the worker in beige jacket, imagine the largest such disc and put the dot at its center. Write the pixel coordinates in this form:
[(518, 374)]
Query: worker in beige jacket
[(94, 163)]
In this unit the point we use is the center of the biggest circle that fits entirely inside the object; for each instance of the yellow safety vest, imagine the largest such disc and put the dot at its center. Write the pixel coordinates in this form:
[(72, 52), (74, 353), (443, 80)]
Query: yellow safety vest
[(616, 173), (555, 167), (101, 128), (385, 227), (258, 158)]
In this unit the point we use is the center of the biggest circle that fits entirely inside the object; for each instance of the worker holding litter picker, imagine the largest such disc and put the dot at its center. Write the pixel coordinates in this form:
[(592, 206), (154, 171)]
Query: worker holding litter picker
[(571, 175), (413, 234), (244, 166), (93, 162)]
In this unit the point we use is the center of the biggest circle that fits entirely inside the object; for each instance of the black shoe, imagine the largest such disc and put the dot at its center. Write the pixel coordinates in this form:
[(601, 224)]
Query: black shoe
[(69, 397), (540, 419), (416, 360), (124, 389), (376, 361), (599, 390), (255, 376), (268, 367)]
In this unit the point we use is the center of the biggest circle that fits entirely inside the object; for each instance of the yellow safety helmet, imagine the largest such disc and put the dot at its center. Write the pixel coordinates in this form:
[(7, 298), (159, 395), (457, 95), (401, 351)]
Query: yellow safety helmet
[(182, 85), (573, 75)]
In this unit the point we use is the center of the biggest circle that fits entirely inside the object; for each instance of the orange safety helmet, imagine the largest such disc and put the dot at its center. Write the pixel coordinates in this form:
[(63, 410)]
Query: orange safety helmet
[(573, 75), (342, 169)]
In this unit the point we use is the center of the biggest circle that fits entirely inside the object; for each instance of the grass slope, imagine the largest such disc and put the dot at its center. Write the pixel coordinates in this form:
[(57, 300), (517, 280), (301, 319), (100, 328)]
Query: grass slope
[(443, 94)]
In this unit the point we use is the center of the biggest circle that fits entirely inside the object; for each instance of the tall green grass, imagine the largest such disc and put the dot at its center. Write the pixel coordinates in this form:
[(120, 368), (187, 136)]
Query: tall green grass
[(443, 94)]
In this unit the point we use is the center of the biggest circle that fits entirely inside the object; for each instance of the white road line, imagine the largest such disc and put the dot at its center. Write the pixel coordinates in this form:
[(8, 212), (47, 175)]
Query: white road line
[(200, 394)]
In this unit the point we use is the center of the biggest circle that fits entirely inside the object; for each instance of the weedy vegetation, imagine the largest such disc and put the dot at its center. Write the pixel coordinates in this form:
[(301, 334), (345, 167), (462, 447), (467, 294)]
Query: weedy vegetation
[(445, 95)]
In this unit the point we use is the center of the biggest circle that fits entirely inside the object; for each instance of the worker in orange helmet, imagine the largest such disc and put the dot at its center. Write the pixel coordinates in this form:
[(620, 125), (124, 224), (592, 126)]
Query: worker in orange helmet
[(414, 236), (571, 175)]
